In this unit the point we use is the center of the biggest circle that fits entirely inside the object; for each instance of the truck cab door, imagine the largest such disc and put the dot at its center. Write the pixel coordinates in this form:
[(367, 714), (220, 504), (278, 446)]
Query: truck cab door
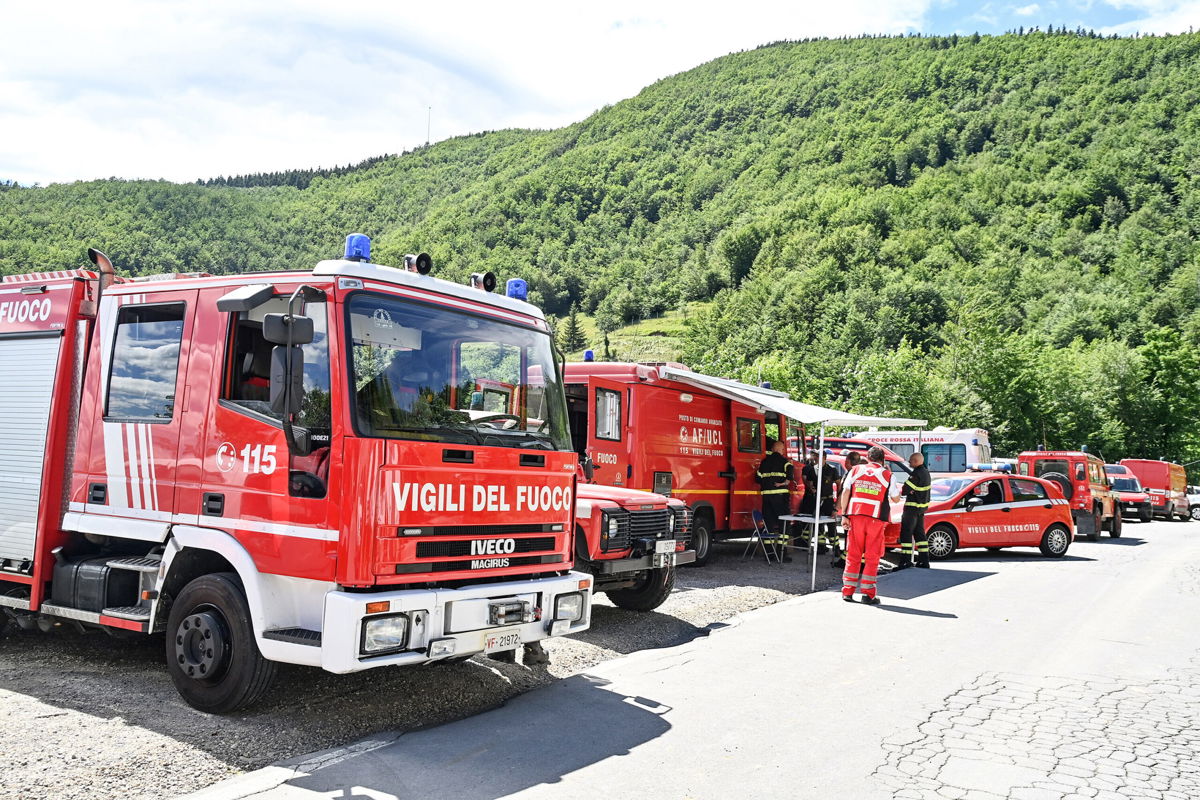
[(609, 436), (142, 390)]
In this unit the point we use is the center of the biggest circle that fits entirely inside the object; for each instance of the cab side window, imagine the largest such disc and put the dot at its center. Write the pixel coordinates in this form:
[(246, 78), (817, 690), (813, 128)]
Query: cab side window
[(248, 386), (1080, 472), (1026, 490), (145, 363), (608, 415)]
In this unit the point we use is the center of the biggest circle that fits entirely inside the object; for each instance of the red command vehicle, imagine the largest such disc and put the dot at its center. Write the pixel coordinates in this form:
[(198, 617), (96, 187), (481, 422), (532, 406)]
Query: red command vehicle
[(665, 429), (284, 467), (1084, 483), (997, 511), (631, 542), (1166, 483)]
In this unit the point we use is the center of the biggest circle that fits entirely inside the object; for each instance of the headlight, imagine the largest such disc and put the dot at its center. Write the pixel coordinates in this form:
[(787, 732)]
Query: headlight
[(383, 634), (614, 527), (568, 607)]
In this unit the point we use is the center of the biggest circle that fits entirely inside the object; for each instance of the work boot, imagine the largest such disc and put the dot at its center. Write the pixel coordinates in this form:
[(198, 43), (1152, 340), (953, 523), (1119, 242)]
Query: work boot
[(923, 563), (534, 654), (871, 601), (901, 565), (849, 598)]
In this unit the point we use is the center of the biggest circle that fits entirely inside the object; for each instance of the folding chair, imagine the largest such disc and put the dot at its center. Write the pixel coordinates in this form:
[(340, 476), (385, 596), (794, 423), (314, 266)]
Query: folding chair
[(768, 541)]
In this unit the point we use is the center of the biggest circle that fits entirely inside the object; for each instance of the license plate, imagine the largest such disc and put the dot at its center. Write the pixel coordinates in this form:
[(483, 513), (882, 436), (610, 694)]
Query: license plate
[(496, 642), (664, 546)]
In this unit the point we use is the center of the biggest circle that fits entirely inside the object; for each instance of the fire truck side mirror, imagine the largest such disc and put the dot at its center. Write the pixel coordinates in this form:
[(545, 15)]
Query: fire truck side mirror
[(275, 328), (287, 387)]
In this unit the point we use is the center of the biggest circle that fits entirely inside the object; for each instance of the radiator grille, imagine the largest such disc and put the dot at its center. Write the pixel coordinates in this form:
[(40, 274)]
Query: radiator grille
[(463, 548), (486, 563), (648, 523)]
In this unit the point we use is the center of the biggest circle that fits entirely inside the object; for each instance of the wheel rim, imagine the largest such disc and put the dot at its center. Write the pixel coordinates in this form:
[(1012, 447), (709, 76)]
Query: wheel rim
[(940, 544), (1196, 512), (1056, 541), (700, 542), (202, 644)]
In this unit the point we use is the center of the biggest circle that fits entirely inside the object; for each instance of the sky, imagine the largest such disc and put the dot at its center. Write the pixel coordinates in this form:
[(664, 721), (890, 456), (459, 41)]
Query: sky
[(184, 90)]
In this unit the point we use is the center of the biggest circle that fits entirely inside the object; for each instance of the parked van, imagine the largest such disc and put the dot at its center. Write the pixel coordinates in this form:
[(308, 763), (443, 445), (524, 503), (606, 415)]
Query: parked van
[(1166, 483)]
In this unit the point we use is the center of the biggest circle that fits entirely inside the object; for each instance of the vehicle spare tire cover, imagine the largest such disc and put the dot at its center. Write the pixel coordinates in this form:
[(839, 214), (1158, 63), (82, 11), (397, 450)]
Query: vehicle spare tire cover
[(1063, 483)]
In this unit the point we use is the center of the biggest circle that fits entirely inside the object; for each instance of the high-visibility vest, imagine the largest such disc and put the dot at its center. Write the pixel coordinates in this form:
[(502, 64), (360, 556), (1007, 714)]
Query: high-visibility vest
[(868, 491)]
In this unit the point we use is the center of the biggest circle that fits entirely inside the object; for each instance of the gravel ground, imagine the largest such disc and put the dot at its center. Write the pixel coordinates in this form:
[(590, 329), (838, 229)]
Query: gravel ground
[(91, 716)]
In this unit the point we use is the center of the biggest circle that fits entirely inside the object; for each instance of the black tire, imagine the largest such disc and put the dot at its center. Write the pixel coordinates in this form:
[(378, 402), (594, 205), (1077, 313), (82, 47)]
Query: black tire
[(1195, 512), (211, 653), (943, 541), (1114, 524), (1146, 514), (701, 540), (1063, 482), (649, 594), (1055, 541)]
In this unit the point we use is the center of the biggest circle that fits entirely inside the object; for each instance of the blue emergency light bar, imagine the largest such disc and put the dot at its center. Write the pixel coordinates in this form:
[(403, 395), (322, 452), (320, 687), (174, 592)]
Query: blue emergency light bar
[(588, 355), (517, 289), (358, 247)]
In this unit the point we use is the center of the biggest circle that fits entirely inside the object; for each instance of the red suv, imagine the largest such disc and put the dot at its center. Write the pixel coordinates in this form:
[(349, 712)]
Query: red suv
[(1083, 481)]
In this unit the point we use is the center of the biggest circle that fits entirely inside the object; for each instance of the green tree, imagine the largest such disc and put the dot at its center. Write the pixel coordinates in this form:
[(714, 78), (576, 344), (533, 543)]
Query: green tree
[(570, 334)]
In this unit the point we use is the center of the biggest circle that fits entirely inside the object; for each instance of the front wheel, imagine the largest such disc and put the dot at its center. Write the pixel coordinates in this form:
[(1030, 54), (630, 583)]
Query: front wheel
[(1195, 512), (211, 653), (701, 541), (1055, 541), (1114, 525), (649, 594), (942, 542)]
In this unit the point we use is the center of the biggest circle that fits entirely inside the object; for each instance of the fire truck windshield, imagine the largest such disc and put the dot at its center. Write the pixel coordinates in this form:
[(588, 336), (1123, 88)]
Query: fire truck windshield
[(432, 373)]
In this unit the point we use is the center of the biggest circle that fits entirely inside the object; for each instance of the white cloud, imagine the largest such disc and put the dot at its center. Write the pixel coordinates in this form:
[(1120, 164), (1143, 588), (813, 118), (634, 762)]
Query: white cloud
[(1157, 16), (1027, 11), (143, 89)]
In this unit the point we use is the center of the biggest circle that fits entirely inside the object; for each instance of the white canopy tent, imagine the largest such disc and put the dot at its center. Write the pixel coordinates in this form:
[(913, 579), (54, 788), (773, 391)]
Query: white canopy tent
[(770, 400)]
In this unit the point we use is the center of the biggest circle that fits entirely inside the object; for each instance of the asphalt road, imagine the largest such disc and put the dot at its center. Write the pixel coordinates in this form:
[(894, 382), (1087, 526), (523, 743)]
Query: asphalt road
[(997, 675)]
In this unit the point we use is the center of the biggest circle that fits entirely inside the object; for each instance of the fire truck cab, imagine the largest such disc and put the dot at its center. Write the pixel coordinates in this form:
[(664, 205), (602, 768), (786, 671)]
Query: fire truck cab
[(284, 467), (1084, 483)]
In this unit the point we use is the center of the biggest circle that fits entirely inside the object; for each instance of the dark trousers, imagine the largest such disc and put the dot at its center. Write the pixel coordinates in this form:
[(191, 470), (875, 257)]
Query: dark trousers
[(775, 506), (912, 535)]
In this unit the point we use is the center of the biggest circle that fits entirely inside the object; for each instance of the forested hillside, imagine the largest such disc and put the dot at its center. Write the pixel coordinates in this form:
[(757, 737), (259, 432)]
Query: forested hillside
[(995, 231)]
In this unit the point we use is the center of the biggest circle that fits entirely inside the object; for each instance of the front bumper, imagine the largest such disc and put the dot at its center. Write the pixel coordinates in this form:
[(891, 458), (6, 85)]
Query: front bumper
[(1130, 509), (458, 615), (618, 566)]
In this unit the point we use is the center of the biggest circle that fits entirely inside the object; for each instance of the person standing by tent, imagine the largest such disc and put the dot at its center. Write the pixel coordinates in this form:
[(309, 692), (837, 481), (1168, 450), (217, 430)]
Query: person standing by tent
[(865, 507), (775, 475), (809, 505), (912, 524)]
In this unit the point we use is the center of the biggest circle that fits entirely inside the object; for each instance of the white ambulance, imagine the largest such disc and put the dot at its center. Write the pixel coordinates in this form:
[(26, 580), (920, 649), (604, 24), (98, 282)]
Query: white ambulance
[(946, 450)]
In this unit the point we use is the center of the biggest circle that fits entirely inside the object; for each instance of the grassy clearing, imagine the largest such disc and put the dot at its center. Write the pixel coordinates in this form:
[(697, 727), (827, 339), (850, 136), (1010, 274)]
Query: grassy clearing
[(655, 339)]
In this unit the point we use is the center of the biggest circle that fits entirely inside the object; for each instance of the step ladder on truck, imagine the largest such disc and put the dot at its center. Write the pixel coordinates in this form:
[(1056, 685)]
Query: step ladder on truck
[(284, 467)]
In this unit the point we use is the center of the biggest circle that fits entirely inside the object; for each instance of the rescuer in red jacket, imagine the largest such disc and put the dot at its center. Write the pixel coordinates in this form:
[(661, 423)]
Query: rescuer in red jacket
[(865, 507)]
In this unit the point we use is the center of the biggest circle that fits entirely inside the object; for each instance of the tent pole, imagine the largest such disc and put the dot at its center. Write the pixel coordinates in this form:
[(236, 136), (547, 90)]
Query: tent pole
[(812, 542)]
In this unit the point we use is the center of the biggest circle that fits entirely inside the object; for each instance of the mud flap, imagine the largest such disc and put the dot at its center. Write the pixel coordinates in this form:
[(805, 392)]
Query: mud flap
[(1085, 525)]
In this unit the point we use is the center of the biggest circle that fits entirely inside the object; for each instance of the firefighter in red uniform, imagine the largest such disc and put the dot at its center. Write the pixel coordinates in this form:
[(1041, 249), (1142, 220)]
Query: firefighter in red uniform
[(865, 509)]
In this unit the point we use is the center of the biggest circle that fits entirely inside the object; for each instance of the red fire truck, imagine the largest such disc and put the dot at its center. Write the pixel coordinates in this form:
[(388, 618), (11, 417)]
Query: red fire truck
[(284, 467)]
